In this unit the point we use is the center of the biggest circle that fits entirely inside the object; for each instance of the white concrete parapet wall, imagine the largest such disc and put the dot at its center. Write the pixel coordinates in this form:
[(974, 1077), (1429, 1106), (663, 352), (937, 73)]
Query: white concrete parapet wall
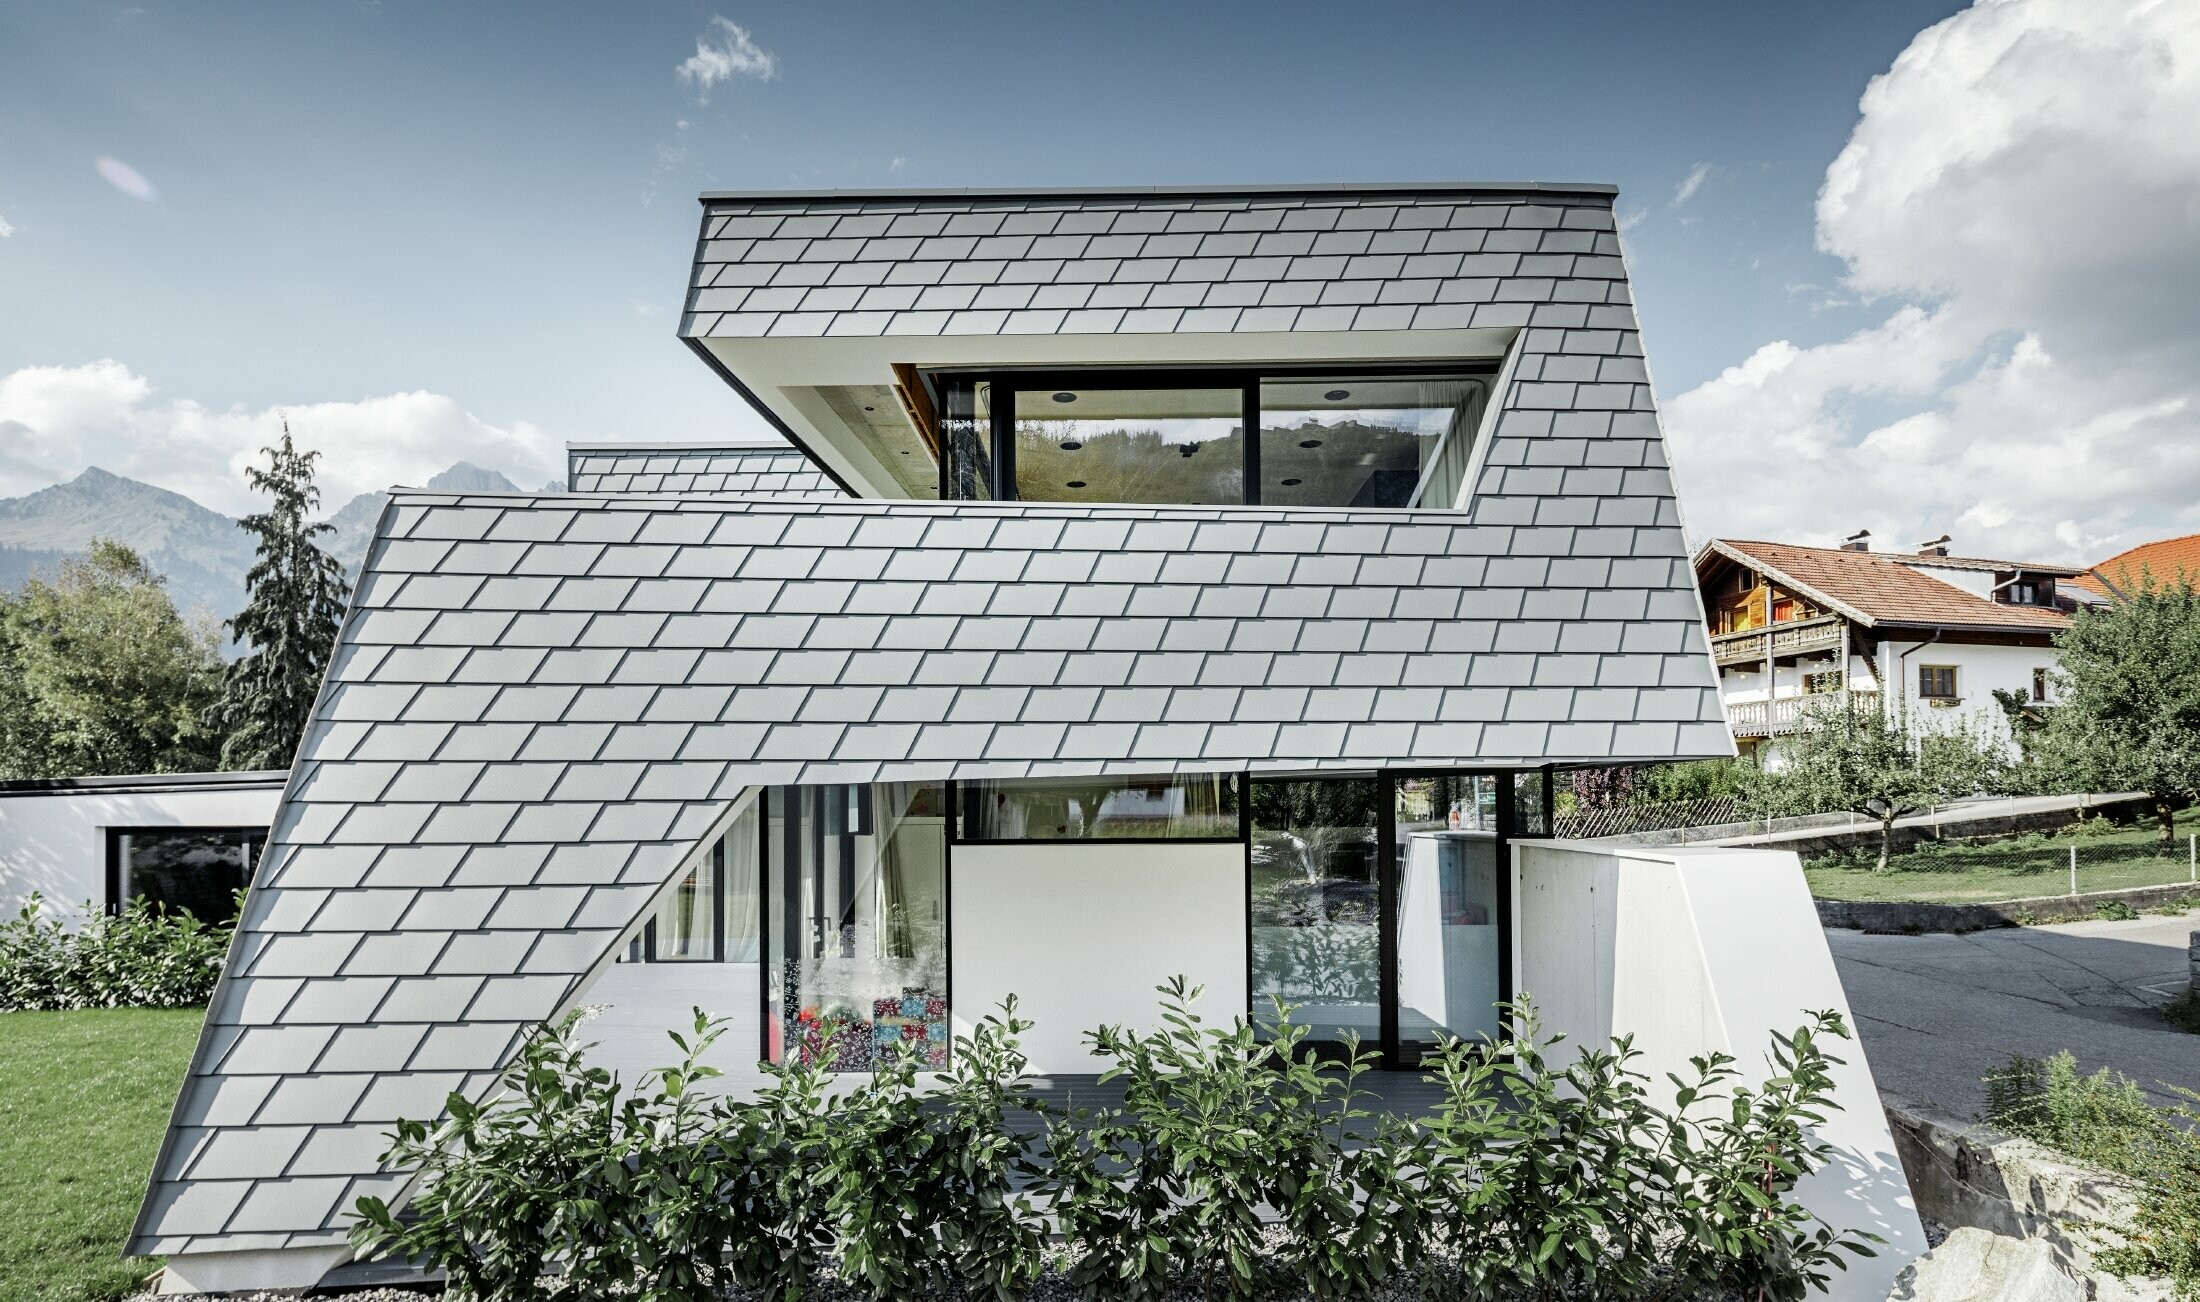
[(1692, 950)]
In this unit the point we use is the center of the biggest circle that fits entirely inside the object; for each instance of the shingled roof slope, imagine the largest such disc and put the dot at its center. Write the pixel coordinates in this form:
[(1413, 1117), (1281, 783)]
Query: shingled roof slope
[(1878, 588), (2163, 561), (539, 704), (770, 470)]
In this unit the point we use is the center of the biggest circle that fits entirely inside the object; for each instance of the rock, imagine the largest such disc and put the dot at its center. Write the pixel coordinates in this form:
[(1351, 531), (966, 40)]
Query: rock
[(1972, 1265)]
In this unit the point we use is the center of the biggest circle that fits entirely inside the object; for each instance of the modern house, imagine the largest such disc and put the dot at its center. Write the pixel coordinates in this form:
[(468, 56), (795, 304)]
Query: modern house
[(1154, 582), (177, 840), (1911, 630)]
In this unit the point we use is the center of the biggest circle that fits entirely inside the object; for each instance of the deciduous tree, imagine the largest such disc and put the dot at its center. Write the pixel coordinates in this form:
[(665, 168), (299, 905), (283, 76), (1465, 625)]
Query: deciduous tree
[(100, 675), (1856, 755), (2127, 701)]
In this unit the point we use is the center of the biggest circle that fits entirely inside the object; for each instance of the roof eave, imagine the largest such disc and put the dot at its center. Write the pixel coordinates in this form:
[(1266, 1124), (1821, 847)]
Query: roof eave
[(1571, 189)]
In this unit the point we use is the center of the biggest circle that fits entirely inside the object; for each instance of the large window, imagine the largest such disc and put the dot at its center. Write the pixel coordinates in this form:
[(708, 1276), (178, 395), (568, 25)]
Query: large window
[(711, 916), (1130, 445), (194, 870), (858, 926), (1366, 441), (1316, 908), (1388, 437), (1936, 682), (1193, 807)]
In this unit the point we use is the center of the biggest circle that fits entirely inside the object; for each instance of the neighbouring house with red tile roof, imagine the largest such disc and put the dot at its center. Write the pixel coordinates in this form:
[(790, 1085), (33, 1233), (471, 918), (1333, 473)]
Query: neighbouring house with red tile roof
[(1923, 628), (2164, 561)]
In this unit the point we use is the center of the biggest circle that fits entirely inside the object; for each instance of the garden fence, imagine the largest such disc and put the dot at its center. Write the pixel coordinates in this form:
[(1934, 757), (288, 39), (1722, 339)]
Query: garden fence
[(2041, 865)]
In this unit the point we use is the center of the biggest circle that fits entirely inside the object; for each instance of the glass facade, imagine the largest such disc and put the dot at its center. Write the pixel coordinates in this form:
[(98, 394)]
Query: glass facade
[(1352, 439), (194, 870), (1202, 806), (712, 914), (858, 929), (1366, 441), (1444, 922), (1315, 905), (1182, 446)]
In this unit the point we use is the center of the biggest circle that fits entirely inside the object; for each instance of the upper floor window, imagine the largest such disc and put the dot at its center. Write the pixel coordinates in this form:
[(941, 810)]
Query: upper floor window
[(1362, 439), (2039, 684), (1936, 682)]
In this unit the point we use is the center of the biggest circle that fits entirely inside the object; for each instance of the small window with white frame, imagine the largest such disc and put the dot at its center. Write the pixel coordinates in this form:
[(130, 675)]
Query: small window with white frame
[(2039, 684)]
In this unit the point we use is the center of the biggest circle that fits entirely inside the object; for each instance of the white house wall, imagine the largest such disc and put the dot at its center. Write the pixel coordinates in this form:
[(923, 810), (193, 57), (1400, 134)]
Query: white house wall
[(1082, 933), (1980, 669), (54, 843), (1696, 950)]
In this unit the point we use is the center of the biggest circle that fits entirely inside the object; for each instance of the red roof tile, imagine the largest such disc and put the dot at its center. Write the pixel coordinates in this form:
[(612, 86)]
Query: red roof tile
[(2162, 561), (1888, 589)]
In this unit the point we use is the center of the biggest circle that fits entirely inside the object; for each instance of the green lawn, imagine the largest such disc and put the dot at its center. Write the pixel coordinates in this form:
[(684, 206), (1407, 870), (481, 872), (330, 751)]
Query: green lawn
[(84, 1098), (2015, 868)]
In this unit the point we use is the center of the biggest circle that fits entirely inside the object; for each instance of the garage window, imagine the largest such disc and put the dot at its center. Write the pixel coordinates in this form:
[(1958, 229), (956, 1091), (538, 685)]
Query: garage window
[(195, 870)]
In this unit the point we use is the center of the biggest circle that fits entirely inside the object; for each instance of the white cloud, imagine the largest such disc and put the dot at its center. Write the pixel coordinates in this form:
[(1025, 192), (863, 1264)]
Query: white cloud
[(1691, 183), (898, 163), (2022, 194), (5, 229), (725, 50), (56, 420)]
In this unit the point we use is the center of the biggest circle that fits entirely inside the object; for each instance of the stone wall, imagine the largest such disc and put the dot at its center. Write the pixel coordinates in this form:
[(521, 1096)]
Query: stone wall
[(1922, 915), (1961, 1174)]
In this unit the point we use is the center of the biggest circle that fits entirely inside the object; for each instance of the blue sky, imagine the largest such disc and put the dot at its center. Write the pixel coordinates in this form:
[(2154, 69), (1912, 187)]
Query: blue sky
[(486, 211)]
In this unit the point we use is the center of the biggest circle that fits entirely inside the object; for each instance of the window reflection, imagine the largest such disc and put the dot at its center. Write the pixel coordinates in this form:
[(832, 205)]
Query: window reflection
[(859, 925), (1315, 905), (1390, 441), (1184, 446), (187, 870), (1202, 806)]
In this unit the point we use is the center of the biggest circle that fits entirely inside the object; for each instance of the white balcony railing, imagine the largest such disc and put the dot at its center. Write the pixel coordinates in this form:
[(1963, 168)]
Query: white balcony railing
[(1783, 714)]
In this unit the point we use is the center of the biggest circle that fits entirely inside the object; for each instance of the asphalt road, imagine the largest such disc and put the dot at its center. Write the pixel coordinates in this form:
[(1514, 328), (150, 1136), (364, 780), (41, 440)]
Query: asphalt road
[(1937, 1012)]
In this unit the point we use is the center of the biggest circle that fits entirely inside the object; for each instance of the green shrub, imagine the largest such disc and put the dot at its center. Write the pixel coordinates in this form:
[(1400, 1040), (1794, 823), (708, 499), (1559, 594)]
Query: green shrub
[(141, 957), (1221, 1129), (1237, 1166), (1570, 1182), (924, 1181), (2107, 1120), (2114, 911)]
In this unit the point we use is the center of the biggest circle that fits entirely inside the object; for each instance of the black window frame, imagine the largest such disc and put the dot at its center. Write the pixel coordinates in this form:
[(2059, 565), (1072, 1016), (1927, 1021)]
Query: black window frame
[(1238, 776), (1006, 382), (255, 852)]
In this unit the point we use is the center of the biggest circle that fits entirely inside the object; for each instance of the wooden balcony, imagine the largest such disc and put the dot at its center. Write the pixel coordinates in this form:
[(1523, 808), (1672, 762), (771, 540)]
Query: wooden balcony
[(1785, 714), (1802, 637)]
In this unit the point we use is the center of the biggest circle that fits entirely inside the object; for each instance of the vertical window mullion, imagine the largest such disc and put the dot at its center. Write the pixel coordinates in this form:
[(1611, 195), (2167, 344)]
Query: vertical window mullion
[(1252, 440), (1004, 440)]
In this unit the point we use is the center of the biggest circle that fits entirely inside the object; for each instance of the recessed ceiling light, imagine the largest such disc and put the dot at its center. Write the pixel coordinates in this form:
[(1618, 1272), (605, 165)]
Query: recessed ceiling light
[(1075, 483), (1310, 443), (1293, 483), (1071, 445), (1338, 395), (1065, 397)]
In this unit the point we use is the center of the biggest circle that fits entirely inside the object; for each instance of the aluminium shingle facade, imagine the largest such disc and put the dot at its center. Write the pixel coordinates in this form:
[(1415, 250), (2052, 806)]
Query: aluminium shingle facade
[(541, 704), (739, 470)]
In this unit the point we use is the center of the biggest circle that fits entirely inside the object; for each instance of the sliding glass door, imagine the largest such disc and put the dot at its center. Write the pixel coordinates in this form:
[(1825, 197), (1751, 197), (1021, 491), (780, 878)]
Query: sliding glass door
[(1315, 906), (1378, 908)]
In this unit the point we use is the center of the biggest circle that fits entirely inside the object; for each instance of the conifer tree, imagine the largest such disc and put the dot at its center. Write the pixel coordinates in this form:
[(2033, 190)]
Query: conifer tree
[(294, 601)]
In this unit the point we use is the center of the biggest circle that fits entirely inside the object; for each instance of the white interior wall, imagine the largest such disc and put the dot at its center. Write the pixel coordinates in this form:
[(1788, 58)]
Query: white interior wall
[(1691, 950), (1082, 932), (54, 843)]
